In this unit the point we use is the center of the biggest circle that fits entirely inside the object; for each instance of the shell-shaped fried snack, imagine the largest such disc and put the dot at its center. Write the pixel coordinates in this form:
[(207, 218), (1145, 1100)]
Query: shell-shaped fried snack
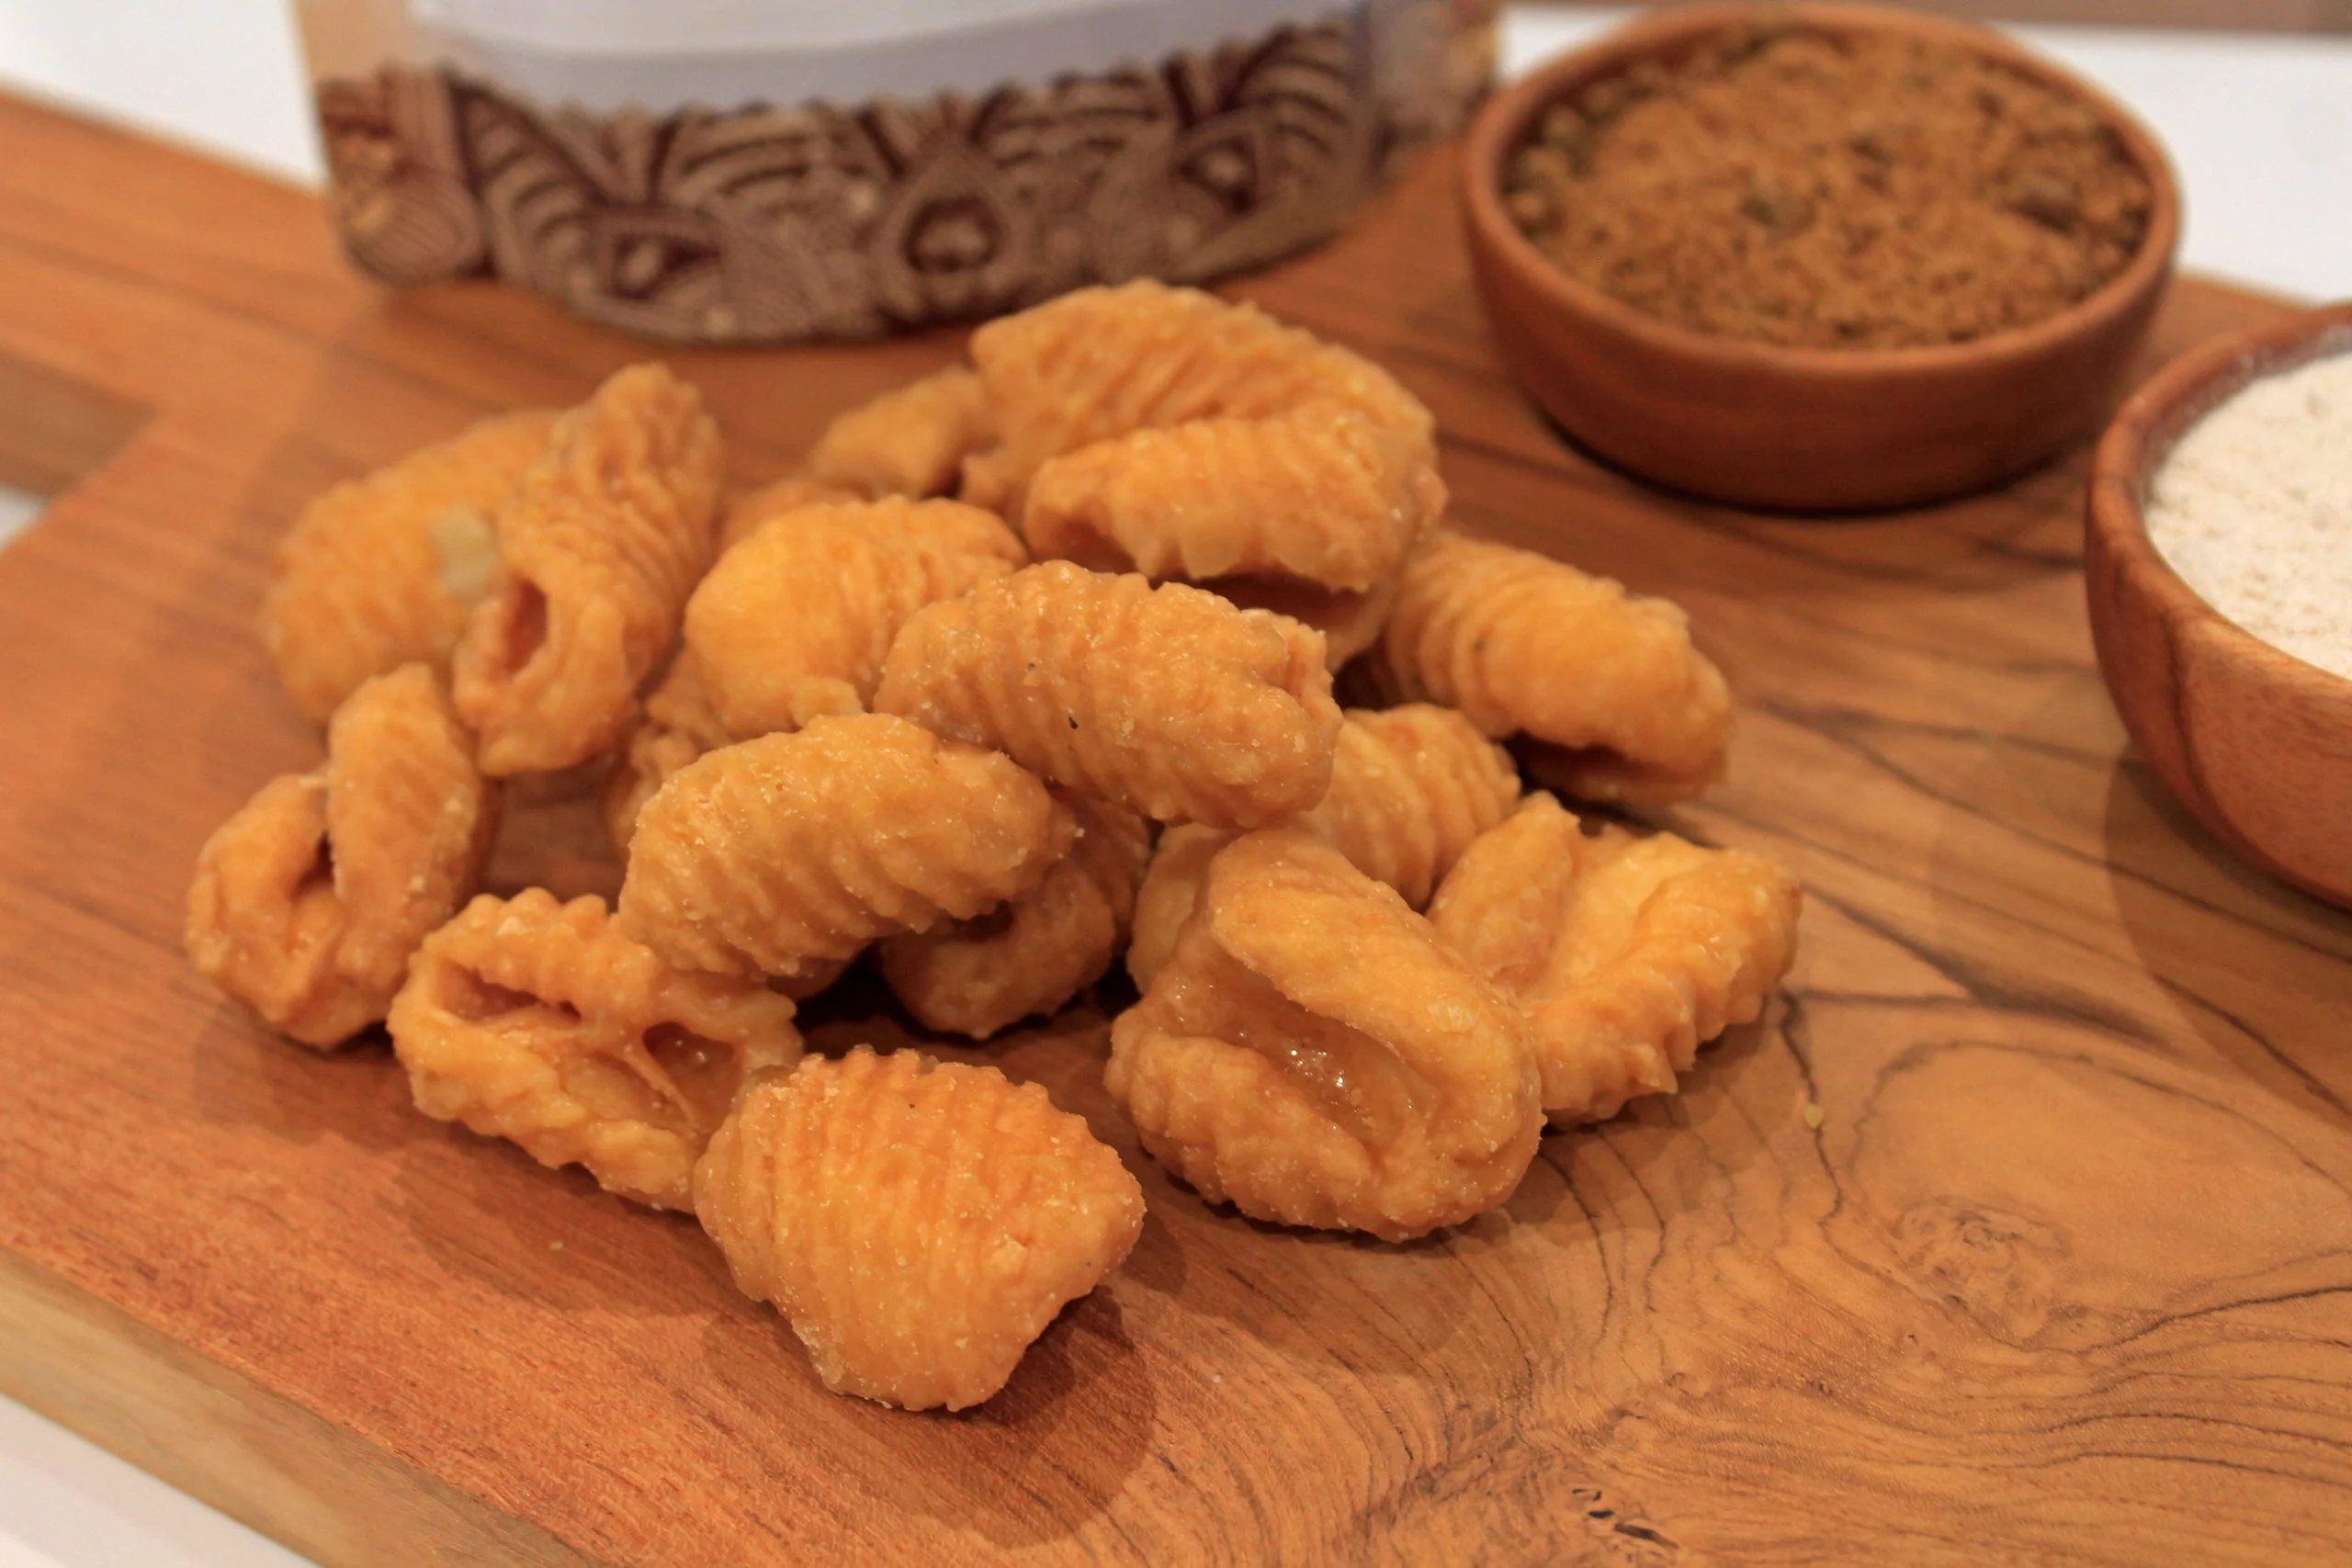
[(1171, 892), (912, 441), (308, 903), (976, 977), (1095, 363), (383, 572), (772, 855), (755, 509), (541, 1023), (1321, 494), (599, 547), (676, 726), (1628, 953), (1167, 700), (816, 977), (1524, 644), (919, 1224), (796, 620), (1349, 622), (1101, 365), (1312, 1053), (1411, 787)]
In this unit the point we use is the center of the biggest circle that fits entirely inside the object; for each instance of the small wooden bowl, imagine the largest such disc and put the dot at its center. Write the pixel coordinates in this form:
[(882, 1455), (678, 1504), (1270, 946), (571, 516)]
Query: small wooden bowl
[(2253, 741), (1801, 429)]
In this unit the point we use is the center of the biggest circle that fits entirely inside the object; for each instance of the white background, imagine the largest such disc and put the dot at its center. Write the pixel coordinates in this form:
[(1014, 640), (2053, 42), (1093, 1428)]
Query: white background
[(2260, 128)]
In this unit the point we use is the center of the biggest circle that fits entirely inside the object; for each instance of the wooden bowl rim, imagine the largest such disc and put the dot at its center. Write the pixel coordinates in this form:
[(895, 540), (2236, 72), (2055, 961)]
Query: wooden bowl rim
[(1502, 125), (2143, 435)]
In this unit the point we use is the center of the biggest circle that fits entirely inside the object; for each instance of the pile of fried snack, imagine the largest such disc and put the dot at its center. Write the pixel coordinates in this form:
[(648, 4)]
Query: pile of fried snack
[(1082, 709)]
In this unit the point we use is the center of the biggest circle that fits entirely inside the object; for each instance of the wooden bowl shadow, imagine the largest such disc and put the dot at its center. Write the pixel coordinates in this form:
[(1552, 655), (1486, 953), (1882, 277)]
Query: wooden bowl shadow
[(2314, 1065)]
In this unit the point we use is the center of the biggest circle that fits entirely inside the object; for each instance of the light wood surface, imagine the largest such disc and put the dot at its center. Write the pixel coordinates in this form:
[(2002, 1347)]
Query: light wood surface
[(2064, 1274)]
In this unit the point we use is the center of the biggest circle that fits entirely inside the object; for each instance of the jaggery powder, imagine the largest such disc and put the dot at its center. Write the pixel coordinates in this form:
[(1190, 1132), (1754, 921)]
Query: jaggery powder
[(1861, 190)]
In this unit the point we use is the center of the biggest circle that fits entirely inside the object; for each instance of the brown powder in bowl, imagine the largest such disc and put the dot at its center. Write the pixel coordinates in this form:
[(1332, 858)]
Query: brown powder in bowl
[(1862, 190)]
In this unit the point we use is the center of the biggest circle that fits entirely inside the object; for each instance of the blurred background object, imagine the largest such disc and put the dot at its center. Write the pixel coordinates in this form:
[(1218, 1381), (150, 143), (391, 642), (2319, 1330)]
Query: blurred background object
[(763, 171), (2255, 107)]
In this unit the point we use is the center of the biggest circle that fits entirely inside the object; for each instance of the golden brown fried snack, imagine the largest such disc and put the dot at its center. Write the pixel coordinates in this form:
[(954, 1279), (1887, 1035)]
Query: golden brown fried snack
[(1411, 788), (1349, 622), (676, 726), (816, 977), (308, 903), (1171, 892), (797, 620), (774, 854), (383, 572), (1167, 700), (917, 1225), (1522, 643), (599, 546), (1627, 952), (1098, 364), (912, 441), (540, 1022), (1321, 494), (755, 509), (1313, 1055), (976, 977)]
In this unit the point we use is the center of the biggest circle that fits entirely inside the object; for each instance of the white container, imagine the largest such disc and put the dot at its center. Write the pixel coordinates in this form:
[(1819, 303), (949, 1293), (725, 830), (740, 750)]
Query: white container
[(722, 171)]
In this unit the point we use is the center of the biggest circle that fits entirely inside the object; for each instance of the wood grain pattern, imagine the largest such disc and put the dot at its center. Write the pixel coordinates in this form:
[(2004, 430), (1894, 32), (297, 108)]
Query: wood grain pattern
[(2064, 1274)]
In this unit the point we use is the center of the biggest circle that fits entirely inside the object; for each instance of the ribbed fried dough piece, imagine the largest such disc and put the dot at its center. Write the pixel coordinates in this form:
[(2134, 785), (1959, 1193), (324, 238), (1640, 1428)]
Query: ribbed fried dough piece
[(1167, 700), (1313, 1055), (1171, 892), (976, 977), (263, 922), (1524, 644), (676, 726), (1411, 787), (769, 855), (816, 976), (308, 903), (1349, 622), (1627, 952), (797, 620), (540, 1022), (917, 1225), (383, 572), (600, 546), (1321, 494), (755, 509), (912, 441), (1097, 364)]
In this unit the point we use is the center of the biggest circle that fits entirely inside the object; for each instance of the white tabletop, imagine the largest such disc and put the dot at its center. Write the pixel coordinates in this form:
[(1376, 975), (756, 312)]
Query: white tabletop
[(2260, 128)]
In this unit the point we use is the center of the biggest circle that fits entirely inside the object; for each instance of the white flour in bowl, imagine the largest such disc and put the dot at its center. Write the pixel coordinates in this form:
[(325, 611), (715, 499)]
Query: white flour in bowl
[(2252, 507)]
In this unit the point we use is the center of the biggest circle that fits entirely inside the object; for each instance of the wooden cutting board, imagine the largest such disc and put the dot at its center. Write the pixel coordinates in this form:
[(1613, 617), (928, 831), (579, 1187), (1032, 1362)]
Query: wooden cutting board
[(2063, 1273)]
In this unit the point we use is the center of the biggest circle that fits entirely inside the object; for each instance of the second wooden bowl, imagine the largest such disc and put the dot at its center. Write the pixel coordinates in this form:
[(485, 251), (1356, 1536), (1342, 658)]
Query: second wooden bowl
[(2255, 741), (1800, 429)]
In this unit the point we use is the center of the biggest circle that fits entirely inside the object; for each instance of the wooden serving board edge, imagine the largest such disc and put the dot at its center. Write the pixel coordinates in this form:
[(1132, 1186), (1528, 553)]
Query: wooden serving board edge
[(244, 1449)]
